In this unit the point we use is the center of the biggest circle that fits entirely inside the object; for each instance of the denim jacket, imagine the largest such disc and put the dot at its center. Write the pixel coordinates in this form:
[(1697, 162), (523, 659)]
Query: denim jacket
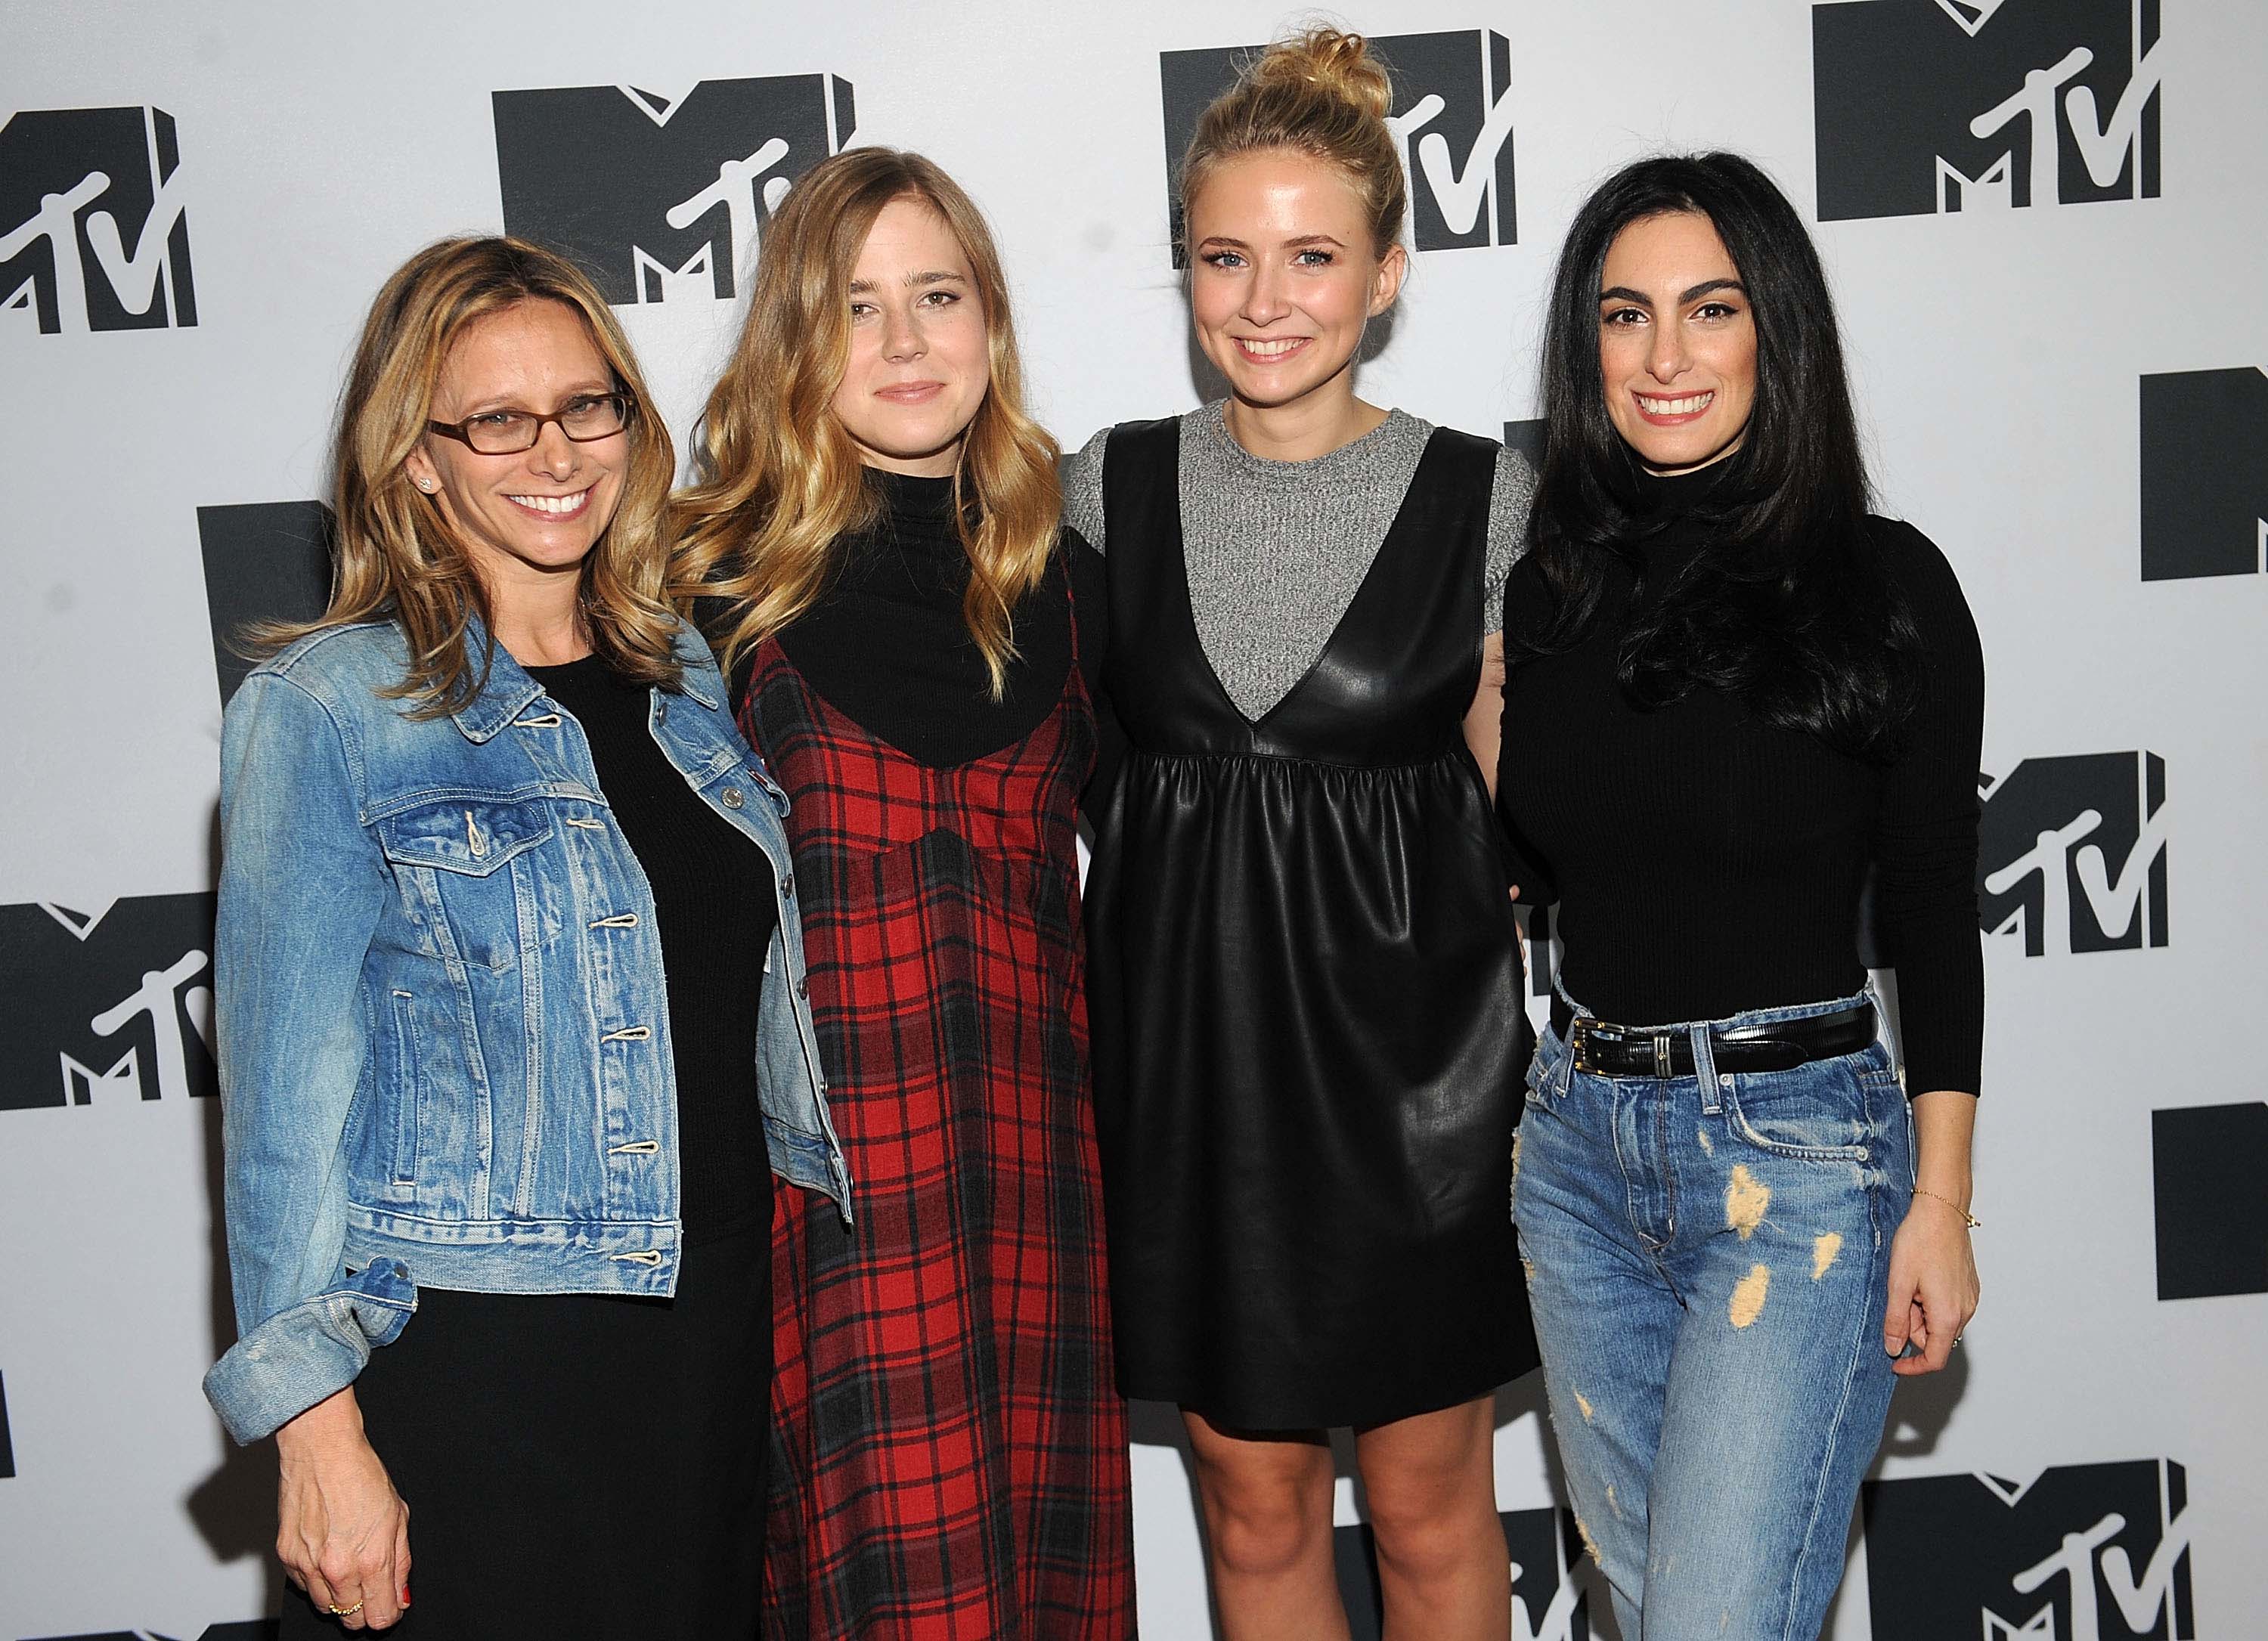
[(444, 1036)]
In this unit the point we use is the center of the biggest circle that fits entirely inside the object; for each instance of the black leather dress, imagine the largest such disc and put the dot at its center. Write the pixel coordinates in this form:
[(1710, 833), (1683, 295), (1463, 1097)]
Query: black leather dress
[(1305, 989)]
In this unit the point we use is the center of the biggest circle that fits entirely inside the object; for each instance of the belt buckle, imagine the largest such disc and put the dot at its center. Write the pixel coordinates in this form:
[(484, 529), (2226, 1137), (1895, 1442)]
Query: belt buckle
[(1579, 1044)]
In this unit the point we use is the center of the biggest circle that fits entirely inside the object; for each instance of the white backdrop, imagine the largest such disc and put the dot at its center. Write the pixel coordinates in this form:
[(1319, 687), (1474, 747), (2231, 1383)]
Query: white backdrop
[(1999, 349)]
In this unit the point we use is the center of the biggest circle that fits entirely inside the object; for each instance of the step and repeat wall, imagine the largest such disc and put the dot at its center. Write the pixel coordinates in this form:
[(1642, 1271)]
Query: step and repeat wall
[(2046, 225)]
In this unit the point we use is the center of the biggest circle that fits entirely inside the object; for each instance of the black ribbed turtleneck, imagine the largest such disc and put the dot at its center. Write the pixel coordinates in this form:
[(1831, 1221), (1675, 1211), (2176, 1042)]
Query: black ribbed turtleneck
[(887, 644), (715, 912), (1705, 863)]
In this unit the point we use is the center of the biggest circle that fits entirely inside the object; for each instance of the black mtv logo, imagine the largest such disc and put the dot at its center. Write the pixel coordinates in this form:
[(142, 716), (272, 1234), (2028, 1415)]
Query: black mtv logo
[(2208, 1163), (264, 562), (1927, 106), (1547, 1603), (2205, 474), (248, 1629), (1452, 116), (2071, 853), (1527, 437), (116, 1002), (656, 198), (2088, 1552), (93, 234)]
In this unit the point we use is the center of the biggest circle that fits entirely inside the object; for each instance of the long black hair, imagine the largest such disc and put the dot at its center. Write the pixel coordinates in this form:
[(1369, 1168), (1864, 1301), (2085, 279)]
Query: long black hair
[(1790, 606)]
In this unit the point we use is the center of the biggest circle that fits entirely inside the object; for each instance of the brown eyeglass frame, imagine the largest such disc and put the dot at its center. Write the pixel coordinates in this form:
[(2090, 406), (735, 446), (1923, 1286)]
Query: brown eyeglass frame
[(627, 400)]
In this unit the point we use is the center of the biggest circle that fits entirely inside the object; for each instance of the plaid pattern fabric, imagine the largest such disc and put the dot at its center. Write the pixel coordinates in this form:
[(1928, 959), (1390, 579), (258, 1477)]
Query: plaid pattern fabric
[(950, 1455)]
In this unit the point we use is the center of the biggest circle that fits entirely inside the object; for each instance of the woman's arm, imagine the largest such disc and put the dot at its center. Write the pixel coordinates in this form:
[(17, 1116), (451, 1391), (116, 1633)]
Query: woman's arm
[(301, 891), (1925, 859), (1485, 718)]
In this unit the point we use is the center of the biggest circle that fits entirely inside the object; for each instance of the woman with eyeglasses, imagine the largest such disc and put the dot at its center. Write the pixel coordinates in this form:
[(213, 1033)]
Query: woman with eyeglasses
[(512, 1026)]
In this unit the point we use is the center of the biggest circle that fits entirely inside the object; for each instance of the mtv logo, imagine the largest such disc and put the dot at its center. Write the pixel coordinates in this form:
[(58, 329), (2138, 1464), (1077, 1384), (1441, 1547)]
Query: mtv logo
[(93, 234), (116, 1005), (2205, 474), (2206, 1165), (2071, 853), (657, 196), (1452, 115), (1547, 1603), (1928, 105), (264, 562), (2087, 1552)]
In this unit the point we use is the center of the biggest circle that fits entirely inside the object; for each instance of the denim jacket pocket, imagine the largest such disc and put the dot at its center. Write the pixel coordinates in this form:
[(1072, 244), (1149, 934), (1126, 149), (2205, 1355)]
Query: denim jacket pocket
[(465, 863), (1821, 1112), (472, 836)]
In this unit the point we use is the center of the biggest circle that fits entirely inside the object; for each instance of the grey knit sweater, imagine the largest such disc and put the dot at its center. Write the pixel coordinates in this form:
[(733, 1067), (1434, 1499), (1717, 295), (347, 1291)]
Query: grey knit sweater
[(1276, 550)]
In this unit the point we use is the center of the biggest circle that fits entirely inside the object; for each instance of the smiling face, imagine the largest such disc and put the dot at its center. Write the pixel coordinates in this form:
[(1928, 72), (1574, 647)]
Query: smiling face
[(1677, 342), (1284, 276), (529, 517), (921, 353)]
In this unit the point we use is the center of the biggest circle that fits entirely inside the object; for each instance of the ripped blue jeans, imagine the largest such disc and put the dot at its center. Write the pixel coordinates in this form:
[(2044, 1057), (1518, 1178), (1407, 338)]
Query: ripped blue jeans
[(1708, 1260)]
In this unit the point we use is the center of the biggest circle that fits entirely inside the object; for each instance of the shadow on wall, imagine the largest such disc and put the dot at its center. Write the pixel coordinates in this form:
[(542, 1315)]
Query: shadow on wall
[(1920, 1412), (233, 1509)]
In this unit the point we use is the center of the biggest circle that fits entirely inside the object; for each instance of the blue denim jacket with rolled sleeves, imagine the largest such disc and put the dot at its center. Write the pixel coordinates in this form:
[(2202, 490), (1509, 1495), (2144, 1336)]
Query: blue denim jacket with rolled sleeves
[(444, 1033)]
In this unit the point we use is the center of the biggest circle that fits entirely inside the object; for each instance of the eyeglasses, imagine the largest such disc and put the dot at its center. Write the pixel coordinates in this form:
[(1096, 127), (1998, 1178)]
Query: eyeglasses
[(585, 417)]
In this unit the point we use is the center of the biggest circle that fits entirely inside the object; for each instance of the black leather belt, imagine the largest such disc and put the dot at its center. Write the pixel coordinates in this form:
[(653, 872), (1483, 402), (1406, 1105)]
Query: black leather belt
[(1602, 1049)]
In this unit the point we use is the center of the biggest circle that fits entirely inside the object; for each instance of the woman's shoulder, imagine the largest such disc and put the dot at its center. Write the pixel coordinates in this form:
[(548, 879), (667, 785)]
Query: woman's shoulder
[(1915, 562), (1081, 474), (340, 662), (1918, 568)]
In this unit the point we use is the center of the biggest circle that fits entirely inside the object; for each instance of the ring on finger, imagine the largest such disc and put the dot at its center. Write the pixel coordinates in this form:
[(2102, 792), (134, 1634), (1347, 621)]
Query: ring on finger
[(347, 1612)]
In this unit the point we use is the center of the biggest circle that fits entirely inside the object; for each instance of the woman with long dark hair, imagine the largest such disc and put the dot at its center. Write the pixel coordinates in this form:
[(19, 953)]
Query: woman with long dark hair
[(1734, 694)]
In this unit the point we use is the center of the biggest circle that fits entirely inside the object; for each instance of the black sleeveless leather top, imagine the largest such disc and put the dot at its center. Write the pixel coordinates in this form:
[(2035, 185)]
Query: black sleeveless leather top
[(1305, 986)]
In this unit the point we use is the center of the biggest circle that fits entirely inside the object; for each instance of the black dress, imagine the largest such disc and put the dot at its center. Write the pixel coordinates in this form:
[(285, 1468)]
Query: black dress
[(1306, 987), (583, 1467)]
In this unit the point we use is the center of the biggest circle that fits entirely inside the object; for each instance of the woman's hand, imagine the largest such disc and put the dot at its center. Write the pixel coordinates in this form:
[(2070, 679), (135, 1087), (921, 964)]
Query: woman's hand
[(342, 1532), (1933, 1287)]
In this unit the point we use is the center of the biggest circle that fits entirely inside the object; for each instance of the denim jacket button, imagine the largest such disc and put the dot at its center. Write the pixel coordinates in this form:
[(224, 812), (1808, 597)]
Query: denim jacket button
[(787, 884), (400, 1270), (803, 986), (732, 798)]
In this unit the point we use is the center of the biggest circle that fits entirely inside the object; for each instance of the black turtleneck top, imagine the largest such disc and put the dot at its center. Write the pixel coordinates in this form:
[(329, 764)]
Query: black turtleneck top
[(887, 645), (715, 912), (1705, 863)]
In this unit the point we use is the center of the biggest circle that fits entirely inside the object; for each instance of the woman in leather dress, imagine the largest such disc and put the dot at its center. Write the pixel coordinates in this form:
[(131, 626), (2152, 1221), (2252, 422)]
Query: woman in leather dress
[(1306, 982)]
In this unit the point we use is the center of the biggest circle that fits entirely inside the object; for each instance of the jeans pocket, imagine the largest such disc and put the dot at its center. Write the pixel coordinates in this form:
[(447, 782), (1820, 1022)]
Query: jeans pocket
[(1821, 1112)]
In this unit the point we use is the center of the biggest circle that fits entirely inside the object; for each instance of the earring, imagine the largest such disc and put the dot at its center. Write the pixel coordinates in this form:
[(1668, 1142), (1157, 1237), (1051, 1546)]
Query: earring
[(425, 485)]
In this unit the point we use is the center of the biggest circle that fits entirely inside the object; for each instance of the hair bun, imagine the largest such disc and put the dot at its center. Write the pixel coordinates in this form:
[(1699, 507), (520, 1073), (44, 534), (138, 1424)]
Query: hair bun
[(1332, 60)]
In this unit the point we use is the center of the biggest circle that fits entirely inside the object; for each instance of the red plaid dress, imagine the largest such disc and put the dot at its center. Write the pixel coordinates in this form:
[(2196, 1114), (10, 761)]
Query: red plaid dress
[(950, 1453)]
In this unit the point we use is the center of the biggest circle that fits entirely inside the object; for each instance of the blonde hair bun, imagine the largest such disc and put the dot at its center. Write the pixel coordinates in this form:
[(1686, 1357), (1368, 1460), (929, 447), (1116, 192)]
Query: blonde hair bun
[(1321, 93), (1334, 61)]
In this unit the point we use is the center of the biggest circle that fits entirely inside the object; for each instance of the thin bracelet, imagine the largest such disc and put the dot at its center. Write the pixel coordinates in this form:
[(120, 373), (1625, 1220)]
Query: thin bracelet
[(1975, 1223)]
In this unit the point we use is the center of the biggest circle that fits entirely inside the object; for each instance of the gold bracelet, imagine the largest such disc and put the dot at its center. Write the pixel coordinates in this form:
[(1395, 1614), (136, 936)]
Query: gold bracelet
[(1974, 1222)]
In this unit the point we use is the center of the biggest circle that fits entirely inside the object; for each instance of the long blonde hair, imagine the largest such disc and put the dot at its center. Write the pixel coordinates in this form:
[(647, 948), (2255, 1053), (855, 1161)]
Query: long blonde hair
[(779, 481), (1321, 93), (398, 557)]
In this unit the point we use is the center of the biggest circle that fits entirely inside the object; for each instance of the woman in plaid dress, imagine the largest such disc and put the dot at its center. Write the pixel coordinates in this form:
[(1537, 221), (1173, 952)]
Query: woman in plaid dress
[(950, 1452)]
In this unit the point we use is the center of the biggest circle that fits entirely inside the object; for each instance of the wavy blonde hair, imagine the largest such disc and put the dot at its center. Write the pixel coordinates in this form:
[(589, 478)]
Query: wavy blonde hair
[(780, 482), (399, 559), (1322, 93)]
